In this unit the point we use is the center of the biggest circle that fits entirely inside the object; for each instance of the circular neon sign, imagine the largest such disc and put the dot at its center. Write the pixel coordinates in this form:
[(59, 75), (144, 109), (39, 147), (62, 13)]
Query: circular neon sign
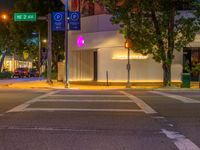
[(80, 41)]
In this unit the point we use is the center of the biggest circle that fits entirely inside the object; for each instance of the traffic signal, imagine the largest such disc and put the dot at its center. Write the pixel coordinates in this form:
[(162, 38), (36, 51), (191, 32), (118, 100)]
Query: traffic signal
[(128, 43)]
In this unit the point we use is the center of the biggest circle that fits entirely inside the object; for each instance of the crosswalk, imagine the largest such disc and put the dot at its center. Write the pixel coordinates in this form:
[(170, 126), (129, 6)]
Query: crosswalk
[(90, 101), (93, 101)]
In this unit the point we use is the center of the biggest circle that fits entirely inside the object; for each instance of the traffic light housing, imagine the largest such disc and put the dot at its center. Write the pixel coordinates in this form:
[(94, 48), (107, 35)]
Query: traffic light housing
[(128, 43)]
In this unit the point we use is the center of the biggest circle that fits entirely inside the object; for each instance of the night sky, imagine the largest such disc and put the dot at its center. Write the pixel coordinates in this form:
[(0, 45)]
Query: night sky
[(6, 4)]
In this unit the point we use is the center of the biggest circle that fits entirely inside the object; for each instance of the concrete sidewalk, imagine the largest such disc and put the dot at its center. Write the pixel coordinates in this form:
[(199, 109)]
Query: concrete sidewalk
[(42, 84)]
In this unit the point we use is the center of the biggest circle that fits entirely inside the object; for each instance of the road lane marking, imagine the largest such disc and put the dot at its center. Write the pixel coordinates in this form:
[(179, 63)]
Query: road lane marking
[(21, 107), (56, 95), (158, 117), (52, 129), (82, 110), (87, 101), (177, 97), (181, 142), (146, 108)]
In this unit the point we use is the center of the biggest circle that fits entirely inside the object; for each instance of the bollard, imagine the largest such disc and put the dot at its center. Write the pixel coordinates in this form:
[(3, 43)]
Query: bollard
[(107, 78)]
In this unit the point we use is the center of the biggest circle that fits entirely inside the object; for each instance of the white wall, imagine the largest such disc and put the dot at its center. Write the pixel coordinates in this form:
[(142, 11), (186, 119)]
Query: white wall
[(146, 70)]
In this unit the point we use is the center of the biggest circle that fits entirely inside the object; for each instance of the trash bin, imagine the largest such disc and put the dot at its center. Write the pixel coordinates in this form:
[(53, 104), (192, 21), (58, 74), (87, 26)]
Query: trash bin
[(186, 80)]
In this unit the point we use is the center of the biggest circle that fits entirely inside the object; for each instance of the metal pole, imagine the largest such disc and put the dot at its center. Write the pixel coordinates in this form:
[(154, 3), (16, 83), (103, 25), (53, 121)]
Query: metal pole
[(66, 46), (49, 55), (128, 70), (107, 78), (39, 52)]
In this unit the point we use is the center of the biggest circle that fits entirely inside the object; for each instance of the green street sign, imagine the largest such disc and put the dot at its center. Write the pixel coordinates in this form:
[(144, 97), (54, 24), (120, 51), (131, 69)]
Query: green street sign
[(31, 16)]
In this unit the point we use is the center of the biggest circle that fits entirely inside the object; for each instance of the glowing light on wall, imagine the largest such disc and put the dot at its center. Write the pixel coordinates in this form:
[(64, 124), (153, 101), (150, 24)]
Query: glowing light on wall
[(80, 41), (132, 56)]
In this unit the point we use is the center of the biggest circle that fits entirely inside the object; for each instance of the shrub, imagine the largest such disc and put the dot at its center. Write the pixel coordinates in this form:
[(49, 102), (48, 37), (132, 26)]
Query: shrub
[(6, 75), (53, 75)]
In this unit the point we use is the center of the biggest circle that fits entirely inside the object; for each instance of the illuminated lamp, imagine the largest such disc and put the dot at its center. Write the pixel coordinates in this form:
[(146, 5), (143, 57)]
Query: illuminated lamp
[(128, 43), (80, 41)]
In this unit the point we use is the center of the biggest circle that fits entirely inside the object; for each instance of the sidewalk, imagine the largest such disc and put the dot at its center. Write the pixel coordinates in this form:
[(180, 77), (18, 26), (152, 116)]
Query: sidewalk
[(42, 84)]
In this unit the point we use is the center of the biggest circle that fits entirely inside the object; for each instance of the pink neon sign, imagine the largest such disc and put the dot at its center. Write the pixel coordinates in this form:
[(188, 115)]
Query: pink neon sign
[(80, 41)]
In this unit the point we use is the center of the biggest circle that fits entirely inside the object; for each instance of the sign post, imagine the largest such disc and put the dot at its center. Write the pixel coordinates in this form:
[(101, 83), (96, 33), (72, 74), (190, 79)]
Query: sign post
[(49, 53), (66, 46), (128, 45)]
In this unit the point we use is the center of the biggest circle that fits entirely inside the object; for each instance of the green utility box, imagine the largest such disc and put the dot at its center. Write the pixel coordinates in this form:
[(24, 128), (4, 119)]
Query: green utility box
[(186, 80)]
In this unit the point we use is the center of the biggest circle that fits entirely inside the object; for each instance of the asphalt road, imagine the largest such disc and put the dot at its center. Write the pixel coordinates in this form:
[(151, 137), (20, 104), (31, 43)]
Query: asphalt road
[(99, 120)]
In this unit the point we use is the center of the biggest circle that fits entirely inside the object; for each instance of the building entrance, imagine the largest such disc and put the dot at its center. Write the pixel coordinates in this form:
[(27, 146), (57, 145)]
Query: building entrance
[(83, 65)]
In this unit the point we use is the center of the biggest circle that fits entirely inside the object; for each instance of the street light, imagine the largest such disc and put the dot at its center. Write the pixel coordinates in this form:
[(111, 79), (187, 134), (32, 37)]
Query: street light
[(128, 45), (44, 41), (4, 17)]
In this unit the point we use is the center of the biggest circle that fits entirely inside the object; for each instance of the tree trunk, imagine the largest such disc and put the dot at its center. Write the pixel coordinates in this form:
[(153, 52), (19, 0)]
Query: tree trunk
[(166, 74), (2, 59)]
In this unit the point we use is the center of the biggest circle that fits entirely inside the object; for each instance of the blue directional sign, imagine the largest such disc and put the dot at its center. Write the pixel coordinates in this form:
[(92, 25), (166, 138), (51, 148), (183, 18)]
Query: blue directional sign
[(74, 20), (58, 21)]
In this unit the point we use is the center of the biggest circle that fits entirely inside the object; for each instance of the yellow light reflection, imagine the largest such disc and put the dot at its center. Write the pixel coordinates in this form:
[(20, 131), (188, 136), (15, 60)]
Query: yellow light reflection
[(132, 56)]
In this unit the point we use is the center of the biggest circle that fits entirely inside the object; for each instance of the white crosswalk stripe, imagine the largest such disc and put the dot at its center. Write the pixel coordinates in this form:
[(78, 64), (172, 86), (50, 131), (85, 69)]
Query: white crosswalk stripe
[(177, 97), (146, 108)]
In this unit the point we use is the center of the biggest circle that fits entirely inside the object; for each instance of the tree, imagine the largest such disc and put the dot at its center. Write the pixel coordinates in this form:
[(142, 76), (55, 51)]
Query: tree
[(23, 31), (5, 40), (156, 27)]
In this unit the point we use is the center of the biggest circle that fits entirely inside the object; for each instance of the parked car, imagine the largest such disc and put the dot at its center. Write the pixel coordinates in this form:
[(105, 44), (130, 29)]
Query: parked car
[(21, 72), (33, 72)]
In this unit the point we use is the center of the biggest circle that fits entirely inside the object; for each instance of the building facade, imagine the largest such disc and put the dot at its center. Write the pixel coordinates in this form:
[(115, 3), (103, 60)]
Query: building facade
[(10, 64), (102, 55)]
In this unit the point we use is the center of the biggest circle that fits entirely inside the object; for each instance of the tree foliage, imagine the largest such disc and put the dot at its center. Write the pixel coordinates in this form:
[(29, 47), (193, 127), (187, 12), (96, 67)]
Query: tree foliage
[(6, 40), (23, 31), (156, 27)]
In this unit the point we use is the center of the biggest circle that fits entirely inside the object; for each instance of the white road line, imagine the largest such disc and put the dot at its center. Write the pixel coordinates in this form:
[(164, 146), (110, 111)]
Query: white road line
[(82, 110), (158, 117), (177, 97), (49, 129), (56, 95), (181, 142), (87, 101), (28, 103), (146, 108)]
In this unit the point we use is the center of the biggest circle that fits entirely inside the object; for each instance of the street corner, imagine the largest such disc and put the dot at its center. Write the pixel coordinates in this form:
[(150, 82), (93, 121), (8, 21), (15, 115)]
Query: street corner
[(30, 85)]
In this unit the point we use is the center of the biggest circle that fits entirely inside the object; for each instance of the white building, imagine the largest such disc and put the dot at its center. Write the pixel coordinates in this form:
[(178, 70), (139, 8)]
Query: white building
[(10, 64), (103, 52)]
